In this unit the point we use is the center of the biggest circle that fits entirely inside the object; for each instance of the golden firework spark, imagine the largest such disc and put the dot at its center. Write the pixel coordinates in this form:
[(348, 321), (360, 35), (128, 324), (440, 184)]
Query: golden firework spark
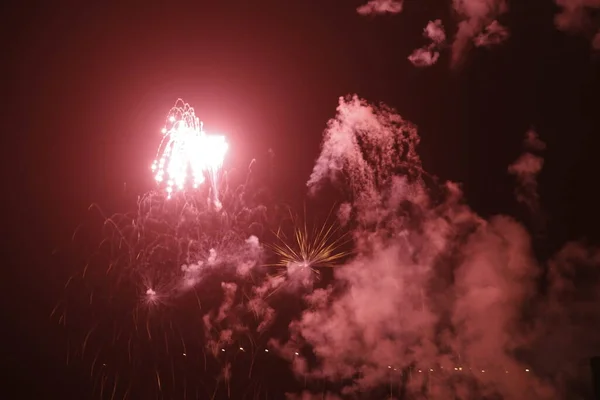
[(321, 246)]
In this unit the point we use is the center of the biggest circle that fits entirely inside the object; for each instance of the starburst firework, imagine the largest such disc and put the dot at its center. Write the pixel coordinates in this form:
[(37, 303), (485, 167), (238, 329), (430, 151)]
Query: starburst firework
[(319, 246)]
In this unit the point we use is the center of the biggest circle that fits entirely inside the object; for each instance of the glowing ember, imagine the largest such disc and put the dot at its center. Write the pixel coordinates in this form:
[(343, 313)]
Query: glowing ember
[(187, 154)]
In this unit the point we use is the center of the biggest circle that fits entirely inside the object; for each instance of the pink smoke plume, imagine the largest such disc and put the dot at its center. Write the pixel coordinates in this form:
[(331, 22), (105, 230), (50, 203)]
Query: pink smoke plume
[(478, 25), (381, 7), (429, 54), (367, 145), (578, 16), (526, 169), (434, 290), (492, 35)]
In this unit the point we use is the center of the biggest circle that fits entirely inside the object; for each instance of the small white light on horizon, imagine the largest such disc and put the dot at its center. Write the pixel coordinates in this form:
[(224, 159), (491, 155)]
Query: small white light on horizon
[(266, 350)]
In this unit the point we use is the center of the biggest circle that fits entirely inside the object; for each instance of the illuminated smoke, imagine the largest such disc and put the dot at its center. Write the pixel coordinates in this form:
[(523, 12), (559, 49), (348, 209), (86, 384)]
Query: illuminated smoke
[(526, 169), (577, 16), (478, 25), (381, 7), (492, 35), (434, 287), (429, 54), (365, 147)]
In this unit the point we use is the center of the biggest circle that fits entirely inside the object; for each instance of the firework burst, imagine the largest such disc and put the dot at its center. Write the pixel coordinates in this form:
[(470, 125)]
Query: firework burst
[(307, 249), (187, 154)]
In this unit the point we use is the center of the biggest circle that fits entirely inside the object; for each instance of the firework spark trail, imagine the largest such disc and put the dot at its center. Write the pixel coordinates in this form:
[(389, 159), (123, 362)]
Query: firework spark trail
[(186, 146), (150, 268), (308, 249)]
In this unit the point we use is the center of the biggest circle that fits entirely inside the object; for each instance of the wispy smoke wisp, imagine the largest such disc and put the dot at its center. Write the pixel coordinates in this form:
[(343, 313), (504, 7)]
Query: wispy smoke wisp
[(374, 7), (577, 16), (526, 169), (429, 54), (478, 24)]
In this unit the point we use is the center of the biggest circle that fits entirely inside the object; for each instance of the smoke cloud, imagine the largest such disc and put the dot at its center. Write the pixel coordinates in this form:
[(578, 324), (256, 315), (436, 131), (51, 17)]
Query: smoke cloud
[(456, 303), (375, 7), (478, 25), (577, 16), (429, 54), (526, 169)]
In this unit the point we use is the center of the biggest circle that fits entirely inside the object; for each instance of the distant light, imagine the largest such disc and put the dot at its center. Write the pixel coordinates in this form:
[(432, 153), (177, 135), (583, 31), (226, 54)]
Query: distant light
[(460, 368), (526, 369), (104, 365), (296, 353), (506, 372), (389, 366), (184, 354), (241, 348), (456, 369), (483, 370), (222, 349), (266, 350), (419, 370), (395, 369), (431, 369)]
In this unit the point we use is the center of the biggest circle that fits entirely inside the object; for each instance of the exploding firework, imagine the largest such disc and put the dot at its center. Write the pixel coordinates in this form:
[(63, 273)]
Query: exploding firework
[(187, 154), (307, 249)]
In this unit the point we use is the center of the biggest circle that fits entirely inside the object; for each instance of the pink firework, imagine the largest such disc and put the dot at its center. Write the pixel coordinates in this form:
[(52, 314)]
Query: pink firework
[(187, 155)]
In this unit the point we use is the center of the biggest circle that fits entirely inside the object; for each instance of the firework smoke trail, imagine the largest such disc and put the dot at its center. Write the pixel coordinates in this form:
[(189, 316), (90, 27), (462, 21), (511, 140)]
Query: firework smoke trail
[(444, 297), (186, 146)]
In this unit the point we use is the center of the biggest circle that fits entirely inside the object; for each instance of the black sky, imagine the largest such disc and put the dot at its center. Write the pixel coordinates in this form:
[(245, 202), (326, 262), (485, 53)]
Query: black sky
[(87, 87)]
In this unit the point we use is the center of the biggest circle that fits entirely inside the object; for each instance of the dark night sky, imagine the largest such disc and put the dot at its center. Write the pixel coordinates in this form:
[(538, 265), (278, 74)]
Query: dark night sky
[(86, 89)]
